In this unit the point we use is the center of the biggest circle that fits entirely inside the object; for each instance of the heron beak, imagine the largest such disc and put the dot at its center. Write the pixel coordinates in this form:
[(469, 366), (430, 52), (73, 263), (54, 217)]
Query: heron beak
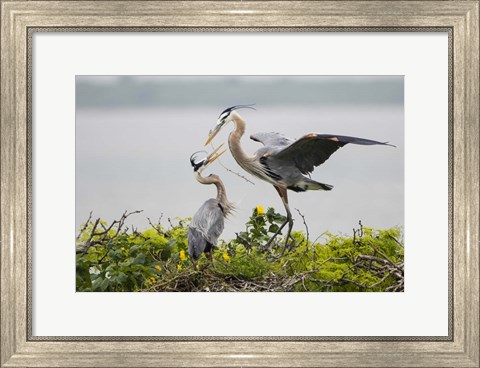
[(214, 155), (213, 133)]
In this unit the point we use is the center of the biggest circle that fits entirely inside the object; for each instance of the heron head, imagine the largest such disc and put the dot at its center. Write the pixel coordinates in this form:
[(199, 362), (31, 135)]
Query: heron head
[(200, 164), (224, 118)]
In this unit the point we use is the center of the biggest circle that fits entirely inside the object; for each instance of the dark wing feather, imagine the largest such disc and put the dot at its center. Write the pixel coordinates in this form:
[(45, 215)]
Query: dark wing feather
[(314, 149)]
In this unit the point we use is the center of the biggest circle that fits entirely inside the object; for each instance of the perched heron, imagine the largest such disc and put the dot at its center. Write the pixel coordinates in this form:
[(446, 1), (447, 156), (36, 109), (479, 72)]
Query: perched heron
[(208, 222), (282, 161)]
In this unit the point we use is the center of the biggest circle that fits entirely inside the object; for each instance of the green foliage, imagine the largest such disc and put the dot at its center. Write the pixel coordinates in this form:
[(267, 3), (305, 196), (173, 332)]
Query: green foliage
[(121, 261), (112, 259), (259, 228), (244, 265), (369, 261)]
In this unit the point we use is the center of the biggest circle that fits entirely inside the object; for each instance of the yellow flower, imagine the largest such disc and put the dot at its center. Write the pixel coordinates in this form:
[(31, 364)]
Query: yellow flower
[(260, 210), (158, 268), (226, 257), (179, 267), (183, 257)]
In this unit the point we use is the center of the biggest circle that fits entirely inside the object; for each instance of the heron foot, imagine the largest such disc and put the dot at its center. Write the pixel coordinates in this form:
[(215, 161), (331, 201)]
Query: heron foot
[(204, 267), (193, 263), (292, 244), (288, 245)]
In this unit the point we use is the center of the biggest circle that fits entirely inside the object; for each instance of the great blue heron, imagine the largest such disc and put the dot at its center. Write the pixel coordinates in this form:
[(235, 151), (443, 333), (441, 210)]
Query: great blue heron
[(208, 222), (282, 161)]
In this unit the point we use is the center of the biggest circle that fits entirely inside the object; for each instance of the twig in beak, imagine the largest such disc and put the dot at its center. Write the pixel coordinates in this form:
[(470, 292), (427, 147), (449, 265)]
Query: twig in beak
[(214, 155)]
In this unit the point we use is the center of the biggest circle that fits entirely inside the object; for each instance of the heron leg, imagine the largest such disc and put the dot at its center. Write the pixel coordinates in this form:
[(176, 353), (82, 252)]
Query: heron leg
[(194, 264), (267, 246), (209, 254), (290, 224), (282, 192)]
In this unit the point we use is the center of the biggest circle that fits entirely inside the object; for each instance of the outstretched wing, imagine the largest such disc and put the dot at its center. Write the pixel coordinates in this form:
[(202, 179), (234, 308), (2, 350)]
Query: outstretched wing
[(314, 149), (271, 139)]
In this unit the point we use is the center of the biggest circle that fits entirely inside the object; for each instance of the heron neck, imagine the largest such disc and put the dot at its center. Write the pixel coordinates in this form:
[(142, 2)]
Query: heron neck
[(221, 192), (234, 142)]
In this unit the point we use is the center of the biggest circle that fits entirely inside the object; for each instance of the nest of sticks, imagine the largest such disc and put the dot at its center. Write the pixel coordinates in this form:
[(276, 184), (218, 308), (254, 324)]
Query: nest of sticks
[(209, 279)]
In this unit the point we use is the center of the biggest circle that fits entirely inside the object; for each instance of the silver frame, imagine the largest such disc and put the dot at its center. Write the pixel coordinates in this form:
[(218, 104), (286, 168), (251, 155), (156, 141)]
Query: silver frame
[(20, 19)]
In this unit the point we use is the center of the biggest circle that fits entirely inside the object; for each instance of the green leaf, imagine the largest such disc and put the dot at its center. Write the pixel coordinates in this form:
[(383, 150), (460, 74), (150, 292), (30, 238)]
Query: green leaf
[(140, 259), (273, 228), (134, 250), (165, 254)]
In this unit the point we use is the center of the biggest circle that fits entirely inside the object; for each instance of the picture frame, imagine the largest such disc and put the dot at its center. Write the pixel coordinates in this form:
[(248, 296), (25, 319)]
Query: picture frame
[(20, 19)]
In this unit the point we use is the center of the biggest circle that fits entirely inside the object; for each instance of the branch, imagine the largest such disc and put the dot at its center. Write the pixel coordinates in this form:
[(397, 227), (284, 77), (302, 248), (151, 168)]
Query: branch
[(157, 228), (104, 234), (305, 223), (236, 173), (396, 241), (85, 226)]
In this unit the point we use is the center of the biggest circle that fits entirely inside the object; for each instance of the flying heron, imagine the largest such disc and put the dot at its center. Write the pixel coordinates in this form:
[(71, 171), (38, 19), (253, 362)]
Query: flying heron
[(282, 161), (208, 222)]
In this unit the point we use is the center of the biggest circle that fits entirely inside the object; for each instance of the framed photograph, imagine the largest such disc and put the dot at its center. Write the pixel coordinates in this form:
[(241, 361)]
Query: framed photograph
[(112, 114)]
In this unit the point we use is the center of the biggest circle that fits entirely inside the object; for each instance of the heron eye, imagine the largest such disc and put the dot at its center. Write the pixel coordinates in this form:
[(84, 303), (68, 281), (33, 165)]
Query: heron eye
[(222, 117)]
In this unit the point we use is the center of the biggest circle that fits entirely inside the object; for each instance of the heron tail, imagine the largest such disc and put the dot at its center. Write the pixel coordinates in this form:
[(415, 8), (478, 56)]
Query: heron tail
[(309, 184)]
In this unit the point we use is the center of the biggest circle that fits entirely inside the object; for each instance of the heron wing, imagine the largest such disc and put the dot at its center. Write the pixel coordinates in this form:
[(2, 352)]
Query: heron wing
[(209, 221), (217, 223), (314, 149), (196, 242), (272, 139)]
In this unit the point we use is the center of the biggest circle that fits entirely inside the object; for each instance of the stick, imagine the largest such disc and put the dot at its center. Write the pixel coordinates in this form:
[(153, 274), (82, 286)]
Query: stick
[(233, 172)]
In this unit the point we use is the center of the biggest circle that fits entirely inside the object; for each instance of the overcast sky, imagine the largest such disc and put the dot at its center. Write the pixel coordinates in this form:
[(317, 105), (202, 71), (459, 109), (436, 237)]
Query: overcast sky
[(134, 137)]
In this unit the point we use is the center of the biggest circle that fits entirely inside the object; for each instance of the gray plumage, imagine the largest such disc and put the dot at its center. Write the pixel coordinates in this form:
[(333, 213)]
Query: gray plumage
[(272, 140), (208, 222), (206, 227)]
